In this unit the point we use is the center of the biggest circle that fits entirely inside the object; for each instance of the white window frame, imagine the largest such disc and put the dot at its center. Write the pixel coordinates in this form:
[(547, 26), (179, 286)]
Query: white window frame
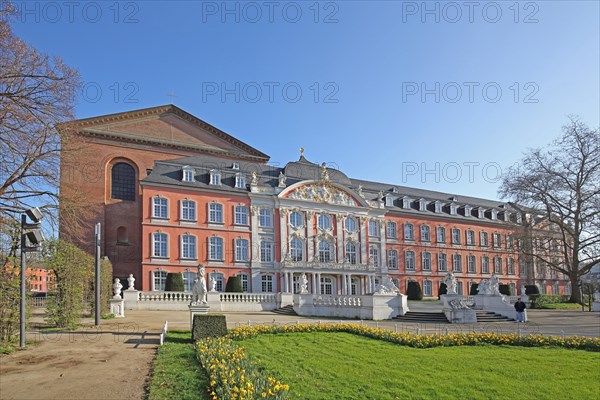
[(240, 181), (374, 228), (442, 262), (427, 287), (325, 254), (425, 232), (456, 262), (484, 240), (456, 236), (391, 230), (215, 248), (351, 256), (296, 219), (510, 266), (265, 219), (242, 250), (188, 174), (215, 177), (245, 282), (160, 252), (470, 237), (392, 259), (496, 240), (188, 280), (188, 210), (440, 232), (266, 251), (189, 251), (350, 225), (498, 265), (324, 222), (296, 249), (215, 213), (409, 260), (157, 209), (485, 264), (266, 281), (162, 280), (240, 215), (409, 231), (471, 264), (220, 280), (426, 261)]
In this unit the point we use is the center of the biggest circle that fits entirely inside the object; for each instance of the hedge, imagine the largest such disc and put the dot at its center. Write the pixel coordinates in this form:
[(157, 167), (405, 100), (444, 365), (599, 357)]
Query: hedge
[(234, 285), (413, 291), (174, 282), (205, 326)]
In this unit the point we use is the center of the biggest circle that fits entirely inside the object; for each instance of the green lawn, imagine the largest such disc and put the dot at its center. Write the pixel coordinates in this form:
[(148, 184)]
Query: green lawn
[(346, 366), (175, 373), (562, 306)]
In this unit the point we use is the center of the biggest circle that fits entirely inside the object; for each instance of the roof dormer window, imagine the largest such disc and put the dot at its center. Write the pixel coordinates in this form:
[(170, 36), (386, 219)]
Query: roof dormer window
[(480, 212), (406, 202), (422, 205), (235, 166), (188, 174), (437, 207), (240, 181), (389, 201), (453, 208), (468, 211), (494, 214), (215, 177)]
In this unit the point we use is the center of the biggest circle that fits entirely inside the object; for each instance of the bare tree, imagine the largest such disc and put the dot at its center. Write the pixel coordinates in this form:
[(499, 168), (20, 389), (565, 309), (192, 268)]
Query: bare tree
[(37, 92), (561, 185)]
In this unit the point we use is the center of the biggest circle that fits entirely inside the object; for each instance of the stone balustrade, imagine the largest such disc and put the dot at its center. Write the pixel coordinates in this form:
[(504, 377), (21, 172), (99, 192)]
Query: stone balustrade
[(247, 297), (345, 266), (375, 306), (343, 301)]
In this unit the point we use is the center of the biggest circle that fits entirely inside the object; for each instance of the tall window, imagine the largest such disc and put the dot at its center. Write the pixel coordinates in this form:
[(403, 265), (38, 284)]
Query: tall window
[(511, 266), (509, 242), (240, 214), (215, 248), (459, 287), (455, 236), (427, 288), (425, 233), (159, 244), (457, 263), (409, 231), (485, 265), (324, 251), (188, 210), (188, 246), (244, 279), (215, 177), (326, 285), (426, 261), (188, 280), (351, 253), (483, 239), (296, 249), (441, 234), (215, 213), (497, 265), (470, 237), (471, 268), (264, 218), (324, 221), (373, 228), (350, 224), (160, 207), (160, 278), (240, 183), (409, 260), (442, 262), (241, 250), (392, 259), (267, 283), (391, 230), (266, 251), (497, 240), (296, 219), (188, 174), (122, 182), (374, 255)]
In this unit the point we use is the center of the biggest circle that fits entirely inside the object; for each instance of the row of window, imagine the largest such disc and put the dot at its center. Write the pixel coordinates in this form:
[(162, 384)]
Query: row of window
[(442, 262), (160, 277)]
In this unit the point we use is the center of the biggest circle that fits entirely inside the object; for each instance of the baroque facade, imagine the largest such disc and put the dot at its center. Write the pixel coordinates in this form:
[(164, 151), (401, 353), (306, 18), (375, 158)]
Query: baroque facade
[(174, 192)]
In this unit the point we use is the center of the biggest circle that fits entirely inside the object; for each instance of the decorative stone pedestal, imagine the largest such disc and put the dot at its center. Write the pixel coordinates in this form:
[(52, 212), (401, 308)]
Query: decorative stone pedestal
[(117, 307), (197, 309)]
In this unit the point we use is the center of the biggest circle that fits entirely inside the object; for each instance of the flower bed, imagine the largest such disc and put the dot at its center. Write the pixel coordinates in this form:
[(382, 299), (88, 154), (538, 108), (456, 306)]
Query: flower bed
[(232, 375), (424, 341)]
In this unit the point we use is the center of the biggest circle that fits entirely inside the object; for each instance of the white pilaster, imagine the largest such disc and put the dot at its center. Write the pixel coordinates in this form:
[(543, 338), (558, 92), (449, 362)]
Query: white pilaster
[(364, 258)]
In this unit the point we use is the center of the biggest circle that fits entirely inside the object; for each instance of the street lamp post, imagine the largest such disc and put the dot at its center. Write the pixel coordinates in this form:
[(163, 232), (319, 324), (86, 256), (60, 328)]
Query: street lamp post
[(33, 234)]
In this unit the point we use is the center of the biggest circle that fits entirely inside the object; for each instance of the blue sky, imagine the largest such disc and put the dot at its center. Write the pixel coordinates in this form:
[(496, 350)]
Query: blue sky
[(437, 95)]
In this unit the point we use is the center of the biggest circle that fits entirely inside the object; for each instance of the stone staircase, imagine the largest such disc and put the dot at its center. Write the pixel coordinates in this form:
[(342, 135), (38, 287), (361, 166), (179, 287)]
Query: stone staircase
[(287, 310), (488, 316), (423, 317)]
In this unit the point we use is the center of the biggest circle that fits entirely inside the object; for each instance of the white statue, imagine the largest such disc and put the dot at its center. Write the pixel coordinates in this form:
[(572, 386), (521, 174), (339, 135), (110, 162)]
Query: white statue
[(130, 281), (304, 285), (387, 286), (117, 288), (282, 179), (324, 173), (213, 285), (199, 288), (484, 287), (380, 196), (254, 178), (495, 285), (450, 282), (523, 290), (360, 191)]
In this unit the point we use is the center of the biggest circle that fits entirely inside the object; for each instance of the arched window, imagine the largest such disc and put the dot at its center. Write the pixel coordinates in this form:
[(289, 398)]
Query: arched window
[(325, 251), (122, 182), (296, 249), (122, 237)]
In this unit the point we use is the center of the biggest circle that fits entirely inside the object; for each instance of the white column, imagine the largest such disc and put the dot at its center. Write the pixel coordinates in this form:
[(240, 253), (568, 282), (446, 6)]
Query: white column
[(364, 259), (283, 237), (383, 255), (344, 285), (310, 242), (349, 277), (318, 283), (291, 282), (340, 238), (314, 283)]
